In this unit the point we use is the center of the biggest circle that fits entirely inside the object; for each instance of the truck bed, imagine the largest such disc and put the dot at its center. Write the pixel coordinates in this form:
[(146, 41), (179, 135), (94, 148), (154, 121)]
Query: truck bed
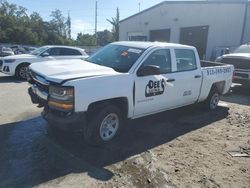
[(205, 63), (218, 73)]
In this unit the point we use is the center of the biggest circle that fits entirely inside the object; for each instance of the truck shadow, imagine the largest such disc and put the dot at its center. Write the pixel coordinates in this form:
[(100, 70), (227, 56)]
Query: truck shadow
[(30, 156), (239, 95), (9, 79)]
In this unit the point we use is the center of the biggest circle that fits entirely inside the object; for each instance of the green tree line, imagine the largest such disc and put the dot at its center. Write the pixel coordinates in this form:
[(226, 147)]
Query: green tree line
[(16, 26)]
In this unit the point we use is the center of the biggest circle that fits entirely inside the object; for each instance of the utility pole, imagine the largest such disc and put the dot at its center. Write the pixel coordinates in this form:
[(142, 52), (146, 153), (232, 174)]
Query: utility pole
[(96, 22), (139, 7), (69, 25)]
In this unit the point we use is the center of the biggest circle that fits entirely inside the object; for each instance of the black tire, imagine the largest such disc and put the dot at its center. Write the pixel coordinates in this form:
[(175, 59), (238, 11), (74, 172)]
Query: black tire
[(92, 131), (20, 71), (212, 100)]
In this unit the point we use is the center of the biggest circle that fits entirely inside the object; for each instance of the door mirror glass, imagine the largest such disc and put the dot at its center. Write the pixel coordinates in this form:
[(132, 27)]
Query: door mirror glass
[(45, 54), (149, 70)]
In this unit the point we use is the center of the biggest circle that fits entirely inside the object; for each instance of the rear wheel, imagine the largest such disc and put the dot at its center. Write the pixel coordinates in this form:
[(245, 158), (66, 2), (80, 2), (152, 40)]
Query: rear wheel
[(104, 125), (21, 71), (213, 99)]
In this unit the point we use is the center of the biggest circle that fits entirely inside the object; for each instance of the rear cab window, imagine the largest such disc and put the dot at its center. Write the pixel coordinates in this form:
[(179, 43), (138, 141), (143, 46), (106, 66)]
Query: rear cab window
[(53, 51), (185, 60)]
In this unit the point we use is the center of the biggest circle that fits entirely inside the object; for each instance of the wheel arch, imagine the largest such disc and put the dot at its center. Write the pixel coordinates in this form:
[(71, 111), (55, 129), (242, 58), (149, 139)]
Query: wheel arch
[(219, 86), (120, 102), (19, 65)]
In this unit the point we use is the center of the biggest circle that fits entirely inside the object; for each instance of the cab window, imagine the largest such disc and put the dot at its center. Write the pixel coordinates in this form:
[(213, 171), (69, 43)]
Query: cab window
[(161, 58), (185, 60), (54, 51), (68, 52)]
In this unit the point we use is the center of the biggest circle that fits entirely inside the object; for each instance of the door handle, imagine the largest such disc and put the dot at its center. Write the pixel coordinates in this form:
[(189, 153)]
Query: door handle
[(171, 80), (197, 76)]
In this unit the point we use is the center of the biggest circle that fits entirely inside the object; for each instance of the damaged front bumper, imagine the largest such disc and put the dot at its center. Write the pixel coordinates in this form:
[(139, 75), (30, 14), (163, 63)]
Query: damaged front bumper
[(37, 96), (68, 121)]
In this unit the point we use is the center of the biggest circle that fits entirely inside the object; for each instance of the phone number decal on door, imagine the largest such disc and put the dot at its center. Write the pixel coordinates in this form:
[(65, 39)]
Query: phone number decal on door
[(218, 71)]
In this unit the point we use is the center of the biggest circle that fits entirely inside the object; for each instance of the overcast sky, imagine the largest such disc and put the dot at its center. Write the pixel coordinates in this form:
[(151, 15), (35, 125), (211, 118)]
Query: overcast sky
[(83, 11)]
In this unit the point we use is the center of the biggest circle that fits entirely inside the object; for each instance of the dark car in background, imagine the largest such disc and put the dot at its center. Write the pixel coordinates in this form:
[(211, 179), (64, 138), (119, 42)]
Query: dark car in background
[(240, 58), (20, 49)]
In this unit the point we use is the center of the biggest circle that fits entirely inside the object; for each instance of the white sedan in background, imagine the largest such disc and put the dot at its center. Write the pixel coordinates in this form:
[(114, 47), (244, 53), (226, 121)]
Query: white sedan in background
[(17, 65)]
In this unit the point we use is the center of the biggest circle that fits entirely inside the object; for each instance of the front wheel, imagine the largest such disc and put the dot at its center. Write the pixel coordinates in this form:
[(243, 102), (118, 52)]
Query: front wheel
[(104, 125), (22, 71), (212, 100)]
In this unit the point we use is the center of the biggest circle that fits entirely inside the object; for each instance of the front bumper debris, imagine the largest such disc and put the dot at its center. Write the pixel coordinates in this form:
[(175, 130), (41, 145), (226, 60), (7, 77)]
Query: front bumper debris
[(70, 121), (37, 97)]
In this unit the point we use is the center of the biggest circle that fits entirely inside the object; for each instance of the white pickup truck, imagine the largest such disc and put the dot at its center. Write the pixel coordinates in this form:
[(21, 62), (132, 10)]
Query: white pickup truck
[(124, 80), (240, 59)]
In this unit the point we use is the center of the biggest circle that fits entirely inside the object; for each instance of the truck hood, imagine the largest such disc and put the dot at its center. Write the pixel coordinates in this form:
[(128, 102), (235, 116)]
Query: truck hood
[(61, 70), (236, 55), (21, 56)]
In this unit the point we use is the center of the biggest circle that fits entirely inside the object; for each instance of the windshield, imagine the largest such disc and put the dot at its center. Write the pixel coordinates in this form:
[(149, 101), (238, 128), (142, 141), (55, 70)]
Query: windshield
[(38, 51), (120, 58), (243, 49)]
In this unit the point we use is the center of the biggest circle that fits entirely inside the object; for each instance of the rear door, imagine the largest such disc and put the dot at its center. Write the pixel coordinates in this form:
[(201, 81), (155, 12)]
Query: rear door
[(187, 75)]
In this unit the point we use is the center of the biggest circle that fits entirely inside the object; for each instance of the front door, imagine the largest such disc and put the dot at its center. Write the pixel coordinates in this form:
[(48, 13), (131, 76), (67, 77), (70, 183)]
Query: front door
[(152, 93)]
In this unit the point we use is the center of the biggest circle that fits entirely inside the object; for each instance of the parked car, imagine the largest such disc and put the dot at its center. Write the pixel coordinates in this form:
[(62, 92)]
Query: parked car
[(18, 49), (29, 49), (17, 65), (240, 58), (124, 80), (5, 51)]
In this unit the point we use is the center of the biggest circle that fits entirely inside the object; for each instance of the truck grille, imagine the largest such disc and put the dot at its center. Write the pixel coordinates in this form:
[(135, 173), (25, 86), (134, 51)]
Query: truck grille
[(239, 63), (39, 81)]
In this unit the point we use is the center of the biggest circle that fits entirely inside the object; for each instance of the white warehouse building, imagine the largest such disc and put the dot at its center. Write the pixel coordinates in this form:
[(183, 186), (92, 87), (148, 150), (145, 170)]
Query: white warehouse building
[(211, 26)]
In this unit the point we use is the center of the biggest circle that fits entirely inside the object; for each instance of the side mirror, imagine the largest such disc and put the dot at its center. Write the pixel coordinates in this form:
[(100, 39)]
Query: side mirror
[(45, 54), (149, 70)]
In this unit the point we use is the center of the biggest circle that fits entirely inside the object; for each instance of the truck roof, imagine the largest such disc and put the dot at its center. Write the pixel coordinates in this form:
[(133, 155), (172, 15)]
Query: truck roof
[(144, 45)]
